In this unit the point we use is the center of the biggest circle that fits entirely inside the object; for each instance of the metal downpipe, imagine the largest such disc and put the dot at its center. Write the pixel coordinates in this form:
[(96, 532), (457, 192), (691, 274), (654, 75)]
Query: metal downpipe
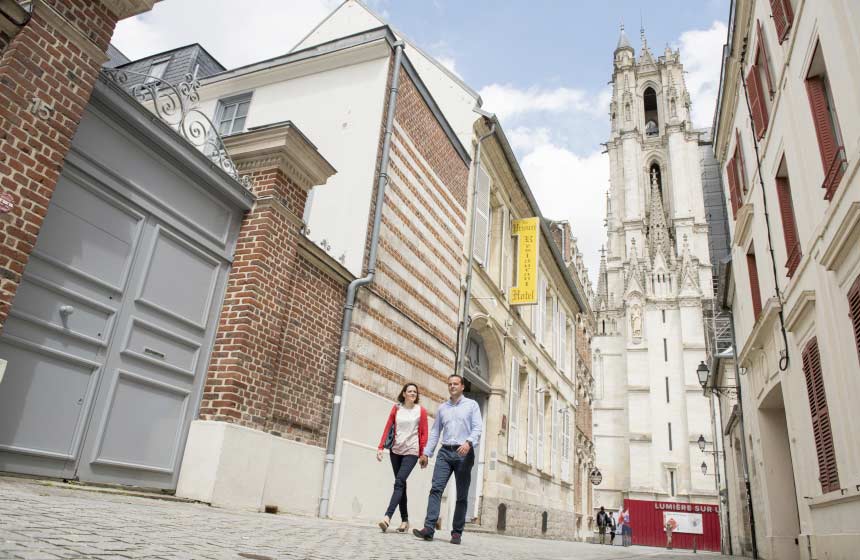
[(352, 290), (464, 321)]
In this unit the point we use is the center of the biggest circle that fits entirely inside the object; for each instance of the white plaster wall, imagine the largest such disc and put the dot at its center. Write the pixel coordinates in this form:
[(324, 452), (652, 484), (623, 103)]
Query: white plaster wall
[(236, 467), (340, 110), (455, 100), (362, 486)]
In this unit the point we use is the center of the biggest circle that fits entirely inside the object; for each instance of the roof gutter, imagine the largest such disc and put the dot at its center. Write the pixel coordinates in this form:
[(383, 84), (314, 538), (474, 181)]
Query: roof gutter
[(352, 289)]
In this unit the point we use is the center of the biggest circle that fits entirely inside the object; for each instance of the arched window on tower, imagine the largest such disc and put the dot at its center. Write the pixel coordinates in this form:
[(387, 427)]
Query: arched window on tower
[(652, 123)]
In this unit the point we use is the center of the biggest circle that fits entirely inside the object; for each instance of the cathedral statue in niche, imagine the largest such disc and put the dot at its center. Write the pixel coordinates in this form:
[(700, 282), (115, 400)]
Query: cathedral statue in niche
[(636, 321)]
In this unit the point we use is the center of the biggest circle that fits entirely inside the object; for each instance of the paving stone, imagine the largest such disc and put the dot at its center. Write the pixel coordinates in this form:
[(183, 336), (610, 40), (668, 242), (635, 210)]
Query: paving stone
[(51, 522)]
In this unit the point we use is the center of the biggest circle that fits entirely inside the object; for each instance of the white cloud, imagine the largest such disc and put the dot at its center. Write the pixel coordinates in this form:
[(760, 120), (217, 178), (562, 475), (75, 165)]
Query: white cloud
[(233, 34), (571, 187), (508, 101), (526, 139), (449, 63), (701, 54)]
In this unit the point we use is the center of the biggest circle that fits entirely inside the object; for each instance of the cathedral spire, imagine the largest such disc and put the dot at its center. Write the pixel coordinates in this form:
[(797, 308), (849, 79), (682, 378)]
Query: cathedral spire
[(658, 231), (623, 41), (602, 287)]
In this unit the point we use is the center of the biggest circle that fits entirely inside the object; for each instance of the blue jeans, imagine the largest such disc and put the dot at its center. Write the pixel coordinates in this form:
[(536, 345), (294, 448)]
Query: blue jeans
[(402, 466), (448, 462)]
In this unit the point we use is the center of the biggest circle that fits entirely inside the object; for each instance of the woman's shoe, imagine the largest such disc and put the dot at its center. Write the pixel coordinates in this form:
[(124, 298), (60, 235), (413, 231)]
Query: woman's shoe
[(403, 527), (384, 523)]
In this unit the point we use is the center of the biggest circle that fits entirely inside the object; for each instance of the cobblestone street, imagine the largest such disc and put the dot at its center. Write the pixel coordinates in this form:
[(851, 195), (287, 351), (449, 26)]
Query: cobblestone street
[(49, 521)]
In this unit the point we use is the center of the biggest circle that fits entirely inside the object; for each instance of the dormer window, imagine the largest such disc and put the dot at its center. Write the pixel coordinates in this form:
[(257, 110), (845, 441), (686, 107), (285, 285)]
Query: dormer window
[(649, 98)]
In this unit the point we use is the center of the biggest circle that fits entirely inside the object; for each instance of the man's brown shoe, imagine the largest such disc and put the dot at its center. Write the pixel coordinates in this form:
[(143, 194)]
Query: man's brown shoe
[(455, 538), (423, 533)]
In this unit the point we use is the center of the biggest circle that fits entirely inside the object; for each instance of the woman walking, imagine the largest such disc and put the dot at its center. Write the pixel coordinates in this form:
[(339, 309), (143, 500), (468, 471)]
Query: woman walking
[(405, 435)]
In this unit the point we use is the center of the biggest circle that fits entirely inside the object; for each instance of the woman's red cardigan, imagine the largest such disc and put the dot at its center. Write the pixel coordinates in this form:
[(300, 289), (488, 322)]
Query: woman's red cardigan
[(422, 428)]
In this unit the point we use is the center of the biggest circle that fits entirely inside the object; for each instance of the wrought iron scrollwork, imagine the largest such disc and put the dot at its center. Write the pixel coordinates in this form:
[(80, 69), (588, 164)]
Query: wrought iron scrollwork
[(177, 105)]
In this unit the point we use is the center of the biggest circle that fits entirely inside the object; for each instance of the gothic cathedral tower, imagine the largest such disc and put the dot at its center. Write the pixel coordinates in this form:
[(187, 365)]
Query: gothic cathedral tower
[(654, 282)]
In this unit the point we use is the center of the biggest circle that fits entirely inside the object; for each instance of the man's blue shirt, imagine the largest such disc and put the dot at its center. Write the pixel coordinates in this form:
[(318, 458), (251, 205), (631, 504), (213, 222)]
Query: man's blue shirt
[(456, 424)]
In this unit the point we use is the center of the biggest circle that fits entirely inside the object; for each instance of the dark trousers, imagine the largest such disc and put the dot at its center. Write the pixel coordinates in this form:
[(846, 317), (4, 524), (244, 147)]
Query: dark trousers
[(402, 466), (448, 462)]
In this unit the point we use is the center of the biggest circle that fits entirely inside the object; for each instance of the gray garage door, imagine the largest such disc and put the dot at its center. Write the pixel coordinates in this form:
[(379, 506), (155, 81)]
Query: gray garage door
[(109, 335)]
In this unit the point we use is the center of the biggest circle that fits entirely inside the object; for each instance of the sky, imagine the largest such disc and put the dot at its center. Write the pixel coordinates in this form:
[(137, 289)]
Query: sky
[(542, 66)]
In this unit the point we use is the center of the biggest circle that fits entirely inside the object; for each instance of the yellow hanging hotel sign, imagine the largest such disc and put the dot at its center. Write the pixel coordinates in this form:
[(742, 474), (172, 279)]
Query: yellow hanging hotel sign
[(527, 234)]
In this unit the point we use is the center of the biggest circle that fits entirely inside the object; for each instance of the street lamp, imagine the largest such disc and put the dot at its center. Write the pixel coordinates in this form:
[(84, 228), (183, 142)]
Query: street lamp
[(703, 373), (704, 468), (701, 442)]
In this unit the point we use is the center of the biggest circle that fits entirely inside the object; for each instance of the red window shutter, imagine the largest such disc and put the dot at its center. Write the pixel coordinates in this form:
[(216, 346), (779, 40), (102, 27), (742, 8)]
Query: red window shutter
[(789, 224), (854, 311), (756, 102), (733, 186), (754, 289), (828, 473), (763, 62), (779, 19), (783, 16), (742, 170), (815, 89)]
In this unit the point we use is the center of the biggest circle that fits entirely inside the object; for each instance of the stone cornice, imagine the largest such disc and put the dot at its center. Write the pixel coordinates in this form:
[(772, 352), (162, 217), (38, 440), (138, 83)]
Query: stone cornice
[(324, 262), (126, 8), (743, 224), (281, 146), (69, 30), (769, 313)]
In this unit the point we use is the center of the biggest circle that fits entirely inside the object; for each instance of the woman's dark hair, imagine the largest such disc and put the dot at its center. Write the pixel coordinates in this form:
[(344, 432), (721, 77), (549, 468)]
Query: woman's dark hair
[(401, 398)]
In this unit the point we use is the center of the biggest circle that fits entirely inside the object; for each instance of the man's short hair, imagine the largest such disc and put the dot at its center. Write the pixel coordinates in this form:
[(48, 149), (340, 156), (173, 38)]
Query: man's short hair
[(458, 376)]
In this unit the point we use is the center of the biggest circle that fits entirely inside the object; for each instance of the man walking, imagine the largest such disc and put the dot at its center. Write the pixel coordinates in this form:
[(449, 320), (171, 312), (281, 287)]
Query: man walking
[(602, 522), (458, 424)]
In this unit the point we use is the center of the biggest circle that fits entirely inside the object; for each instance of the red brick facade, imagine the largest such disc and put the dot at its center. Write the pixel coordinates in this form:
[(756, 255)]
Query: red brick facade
[(275, 354), (410, 313), (47, 73)]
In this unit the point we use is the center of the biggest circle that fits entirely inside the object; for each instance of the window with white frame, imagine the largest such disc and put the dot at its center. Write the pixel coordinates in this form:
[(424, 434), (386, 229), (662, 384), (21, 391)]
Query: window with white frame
[(541, 425), (531, 428), (513, 408), (157, 69), (483, 217), (232, 113)]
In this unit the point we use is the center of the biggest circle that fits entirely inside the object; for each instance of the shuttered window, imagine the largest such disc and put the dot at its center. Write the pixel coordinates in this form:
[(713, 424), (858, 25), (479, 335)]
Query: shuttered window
[(827, 131), (789, 225), (854, 312), (541, 439), (732, 172), (530, 419), (553, 450), (513, 409), (783, 16), (565, 444), (562, 347), (742, 185), (755, 291), (481, 245), (763, 63), (828, 474), (757, 102)]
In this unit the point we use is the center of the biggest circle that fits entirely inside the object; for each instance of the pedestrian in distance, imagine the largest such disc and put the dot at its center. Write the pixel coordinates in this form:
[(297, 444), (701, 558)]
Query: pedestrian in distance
[(602, 520), (619, 527), (611, 528), (458, 425), (669, 527), (405, 435), (627, 535)]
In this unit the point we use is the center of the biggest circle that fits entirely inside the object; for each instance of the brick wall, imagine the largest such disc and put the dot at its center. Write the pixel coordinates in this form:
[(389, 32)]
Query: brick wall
[(248, 345), (405, 325), (58, 66), (305, 384)]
